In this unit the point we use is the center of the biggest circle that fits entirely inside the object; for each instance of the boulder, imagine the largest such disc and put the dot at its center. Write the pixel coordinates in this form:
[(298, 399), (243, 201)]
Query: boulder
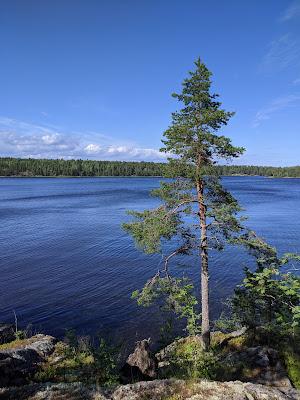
[(7, 333), (140, 365), (261, 365), (19, 362)]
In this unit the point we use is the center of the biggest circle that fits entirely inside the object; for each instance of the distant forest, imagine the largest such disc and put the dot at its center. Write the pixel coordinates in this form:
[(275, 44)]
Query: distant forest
[(44, 167)]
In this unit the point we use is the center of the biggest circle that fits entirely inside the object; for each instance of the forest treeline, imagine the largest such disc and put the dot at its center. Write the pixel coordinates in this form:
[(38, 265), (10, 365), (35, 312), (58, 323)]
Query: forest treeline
[(46, 167)]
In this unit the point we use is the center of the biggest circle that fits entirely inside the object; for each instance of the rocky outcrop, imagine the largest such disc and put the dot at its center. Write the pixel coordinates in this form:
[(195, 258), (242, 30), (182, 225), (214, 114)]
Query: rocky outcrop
[(222, 339), (166, 355), (261, 365), (140, 365), (152, 390), (23, 358), (7, 333), (201, 390)]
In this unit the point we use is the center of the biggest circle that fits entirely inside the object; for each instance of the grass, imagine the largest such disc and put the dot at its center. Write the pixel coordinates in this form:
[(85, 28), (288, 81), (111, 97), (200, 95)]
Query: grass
[(71, 364), (187, 360), (17, 343)]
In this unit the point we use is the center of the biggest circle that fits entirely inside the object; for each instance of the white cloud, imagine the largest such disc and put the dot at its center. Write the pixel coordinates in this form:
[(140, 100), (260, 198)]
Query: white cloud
[(52, 139), (92, 148), (21, 139), (282, 53), (291, 12), (278, 104), (123, 152)]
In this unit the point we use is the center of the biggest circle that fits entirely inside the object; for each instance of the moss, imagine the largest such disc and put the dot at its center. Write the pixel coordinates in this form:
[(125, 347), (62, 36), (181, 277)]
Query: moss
[(66, 367), (292, 363), (217, 338), (188, 346), (187, 360), (240, 342), (223, 340), (17, 343)]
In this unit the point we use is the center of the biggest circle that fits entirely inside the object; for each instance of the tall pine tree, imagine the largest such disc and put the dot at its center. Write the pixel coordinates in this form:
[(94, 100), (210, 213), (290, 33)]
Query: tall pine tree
[(197, 213)]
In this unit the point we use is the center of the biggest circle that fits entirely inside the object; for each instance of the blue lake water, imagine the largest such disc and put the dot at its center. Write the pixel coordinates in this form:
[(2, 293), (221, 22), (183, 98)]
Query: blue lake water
[(66, 263)]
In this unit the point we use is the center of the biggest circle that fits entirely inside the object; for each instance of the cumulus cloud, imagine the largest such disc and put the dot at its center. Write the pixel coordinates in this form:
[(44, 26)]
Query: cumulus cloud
[(92, 148), (21, 139), (12, 143), (123, 152), (276, 105)]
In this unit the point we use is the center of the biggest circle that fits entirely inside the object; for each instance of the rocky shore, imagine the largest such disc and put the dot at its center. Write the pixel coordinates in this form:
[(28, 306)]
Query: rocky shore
[(170, 389), (141, 375)]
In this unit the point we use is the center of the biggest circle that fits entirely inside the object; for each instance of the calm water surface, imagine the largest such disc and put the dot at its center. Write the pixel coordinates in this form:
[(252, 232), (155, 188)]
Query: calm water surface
[(66, 263)]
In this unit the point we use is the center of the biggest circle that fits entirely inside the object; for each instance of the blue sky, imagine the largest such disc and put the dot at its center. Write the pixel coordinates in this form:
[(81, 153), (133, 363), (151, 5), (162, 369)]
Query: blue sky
[(93, 79)]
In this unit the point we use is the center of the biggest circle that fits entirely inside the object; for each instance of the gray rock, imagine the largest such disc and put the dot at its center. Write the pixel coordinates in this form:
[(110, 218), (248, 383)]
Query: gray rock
[(201, 390), (140, 365), (152, 390), (18, 363), (264, 364), (7, 333)]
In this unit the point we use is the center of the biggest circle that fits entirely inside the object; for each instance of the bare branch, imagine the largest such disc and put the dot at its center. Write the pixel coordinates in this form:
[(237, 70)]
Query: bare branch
[(174, 210)]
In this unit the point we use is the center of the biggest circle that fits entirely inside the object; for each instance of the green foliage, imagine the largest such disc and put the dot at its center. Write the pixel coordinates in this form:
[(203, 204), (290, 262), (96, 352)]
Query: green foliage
[(268, 296), (192, 130), (78, 360), (197, 213), (105, 364), (19, 335), (18, 342), (227, 322), (172, 294), (292, 364), (150, 227), (42, 167), (188, 361)]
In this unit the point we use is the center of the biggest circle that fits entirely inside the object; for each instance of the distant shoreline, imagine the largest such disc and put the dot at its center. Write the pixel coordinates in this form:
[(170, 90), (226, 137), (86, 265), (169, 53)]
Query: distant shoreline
[(55, 168), (137, 176)]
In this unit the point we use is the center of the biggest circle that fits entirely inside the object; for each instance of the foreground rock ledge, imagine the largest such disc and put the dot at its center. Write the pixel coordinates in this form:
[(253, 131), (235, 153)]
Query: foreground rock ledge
[(169, 389), (22, 359)]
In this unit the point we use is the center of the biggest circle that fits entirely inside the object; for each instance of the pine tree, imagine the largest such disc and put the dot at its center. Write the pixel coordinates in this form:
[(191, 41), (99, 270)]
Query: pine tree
[(195, 191)]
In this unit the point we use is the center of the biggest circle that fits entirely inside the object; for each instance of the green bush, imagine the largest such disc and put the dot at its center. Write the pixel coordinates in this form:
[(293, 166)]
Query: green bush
[(78, 360), (189, 361)]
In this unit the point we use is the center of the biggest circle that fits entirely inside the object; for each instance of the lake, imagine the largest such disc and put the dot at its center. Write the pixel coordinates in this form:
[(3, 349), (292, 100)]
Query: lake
[(66, 263)]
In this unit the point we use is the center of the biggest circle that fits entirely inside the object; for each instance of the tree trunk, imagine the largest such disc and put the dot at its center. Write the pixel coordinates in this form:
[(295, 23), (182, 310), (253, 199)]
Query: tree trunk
[(205, 328)]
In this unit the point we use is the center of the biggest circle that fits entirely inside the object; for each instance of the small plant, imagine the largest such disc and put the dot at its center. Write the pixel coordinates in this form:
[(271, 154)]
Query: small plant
[(105, 358), (172, 295), (188, 360), (78, 360), (268, 296)]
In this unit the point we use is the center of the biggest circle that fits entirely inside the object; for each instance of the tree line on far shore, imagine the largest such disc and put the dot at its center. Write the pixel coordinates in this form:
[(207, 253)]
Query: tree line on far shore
[(49, 167)]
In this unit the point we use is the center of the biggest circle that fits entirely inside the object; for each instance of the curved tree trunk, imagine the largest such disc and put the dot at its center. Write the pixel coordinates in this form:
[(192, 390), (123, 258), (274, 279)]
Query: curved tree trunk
[(205, 328)]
